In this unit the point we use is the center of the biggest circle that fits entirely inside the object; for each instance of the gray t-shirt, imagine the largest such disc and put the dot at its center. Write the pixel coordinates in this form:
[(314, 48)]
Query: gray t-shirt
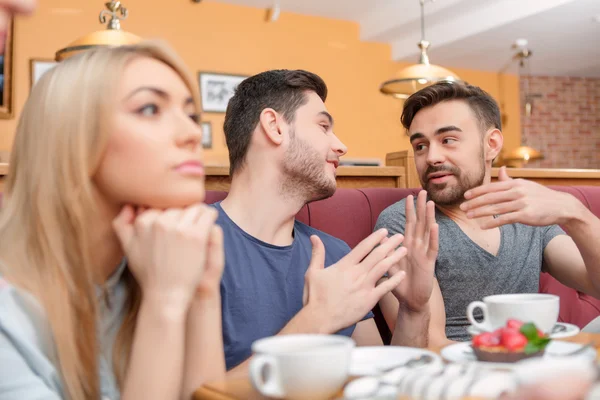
[(466, 272)]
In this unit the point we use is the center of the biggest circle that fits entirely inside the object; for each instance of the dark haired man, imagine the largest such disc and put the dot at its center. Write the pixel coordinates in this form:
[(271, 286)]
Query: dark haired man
[(494, 237), (283, 154)]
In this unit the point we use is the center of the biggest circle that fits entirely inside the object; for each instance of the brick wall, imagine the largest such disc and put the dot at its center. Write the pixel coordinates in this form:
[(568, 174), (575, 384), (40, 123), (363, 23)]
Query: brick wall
[(565, 122)]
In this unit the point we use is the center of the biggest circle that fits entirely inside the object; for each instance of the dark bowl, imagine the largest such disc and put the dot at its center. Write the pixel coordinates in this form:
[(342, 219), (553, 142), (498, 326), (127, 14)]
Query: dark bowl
[(503, 357)]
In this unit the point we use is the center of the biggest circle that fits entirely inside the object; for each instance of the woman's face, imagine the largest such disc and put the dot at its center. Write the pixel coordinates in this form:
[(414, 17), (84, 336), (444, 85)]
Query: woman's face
[(153, 156)]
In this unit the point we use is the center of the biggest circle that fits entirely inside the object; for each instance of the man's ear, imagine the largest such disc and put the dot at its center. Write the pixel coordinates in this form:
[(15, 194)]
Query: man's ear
[(269, 123), (493, 142)]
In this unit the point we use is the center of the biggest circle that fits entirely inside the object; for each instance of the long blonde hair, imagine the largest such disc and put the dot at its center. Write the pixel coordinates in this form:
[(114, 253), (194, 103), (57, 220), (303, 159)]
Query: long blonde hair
[(49, 204)]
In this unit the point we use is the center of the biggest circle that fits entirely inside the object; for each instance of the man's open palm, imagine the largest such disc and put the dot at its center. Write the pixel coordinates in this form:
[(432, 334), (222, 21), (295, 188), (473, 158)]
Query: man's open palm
[(421, 242)]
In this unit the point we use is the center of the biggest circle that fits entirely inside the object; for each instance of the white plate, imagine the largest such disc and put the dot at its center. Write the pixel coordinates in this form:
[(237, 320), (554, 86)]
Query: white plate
[(561, 330), (370, 360), (462, 352)]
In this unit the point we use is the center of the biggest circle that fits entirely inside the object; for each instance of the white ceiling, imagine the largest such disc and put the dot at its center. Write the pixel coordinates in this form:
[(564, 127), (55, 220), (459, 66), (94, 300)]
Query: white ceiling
[(563, 35)]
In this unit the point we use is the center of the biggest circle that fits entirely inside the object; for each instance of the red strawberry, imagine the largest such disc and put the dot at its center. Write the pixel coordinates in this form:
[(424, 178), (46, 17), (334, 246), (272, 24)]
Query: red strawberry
[(486, 339), (514, 324), (513, 340), (498, 333)]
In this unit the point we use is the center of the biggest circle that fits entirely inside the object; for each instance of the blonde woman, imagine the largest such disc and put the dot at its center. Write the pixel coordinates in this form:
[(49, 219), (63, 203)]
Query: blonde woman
[(107, 167)]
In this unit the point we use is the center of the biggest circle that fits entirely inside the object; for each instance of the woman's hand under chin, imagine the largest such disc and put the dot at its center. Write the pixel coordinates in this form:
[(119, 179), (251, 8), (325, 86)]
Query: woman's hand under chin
[(210, 285), (171, 252)]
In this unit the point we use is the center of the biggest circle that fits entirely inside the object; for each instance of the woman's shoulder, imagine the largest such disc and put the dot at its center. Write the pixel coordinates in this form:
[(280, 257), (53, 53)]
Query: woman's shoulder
[(13, 298), (4, 284), (21, 314), (8, 297), (27, 358)]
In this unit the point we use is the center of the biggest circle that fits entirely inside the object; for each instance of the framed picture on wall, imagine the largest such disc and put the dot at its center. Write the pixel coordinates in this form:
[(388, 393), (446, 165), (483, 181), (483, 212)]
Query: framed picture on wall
[(6, 63), (206, 135), (216, 89), (39, 67)]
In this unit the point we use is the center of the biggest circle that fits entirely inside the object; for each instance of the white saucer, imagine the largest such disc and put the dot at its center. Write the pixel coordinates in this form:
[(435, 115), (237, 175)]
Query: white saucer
[(369, 360), (560, 330), (462, 352)]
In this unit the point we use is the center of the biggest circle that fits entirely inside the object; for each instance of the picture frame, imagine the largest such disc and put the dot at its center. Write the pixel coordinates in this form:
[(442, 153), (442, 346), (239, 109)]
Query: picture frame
[(38, 67), (216, 89), (206, 135), (6, 78)]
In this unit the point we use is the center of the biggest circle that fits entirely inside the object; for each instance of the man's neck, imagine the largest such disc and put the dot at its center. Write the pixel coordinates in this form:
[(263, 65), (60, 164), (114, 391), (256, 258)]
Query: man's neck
[(257, 205), (460, 217)]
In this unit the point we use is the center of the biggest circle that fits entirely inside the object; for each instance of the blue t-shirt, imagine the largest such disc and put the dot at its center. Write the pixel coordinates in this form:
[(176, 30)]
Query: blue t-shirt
[(262, 285)]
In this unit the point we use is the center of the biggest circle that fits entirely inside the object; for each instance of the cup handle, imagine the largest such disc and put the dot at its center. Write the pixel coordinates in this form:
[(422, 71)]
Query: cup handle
[(265, 376), (472, 307)]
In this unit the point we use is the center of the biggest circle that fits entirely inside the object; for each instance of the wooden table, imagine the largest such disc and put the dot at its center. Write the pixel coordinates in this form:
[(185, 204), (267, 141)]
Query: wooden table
[(242, 389)]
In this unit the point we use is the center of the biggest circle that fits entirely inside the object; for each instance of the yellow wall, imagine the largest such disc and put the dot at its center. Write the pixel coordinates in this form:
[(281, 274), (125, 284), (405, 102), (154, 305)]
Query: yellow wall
[(233, 39)]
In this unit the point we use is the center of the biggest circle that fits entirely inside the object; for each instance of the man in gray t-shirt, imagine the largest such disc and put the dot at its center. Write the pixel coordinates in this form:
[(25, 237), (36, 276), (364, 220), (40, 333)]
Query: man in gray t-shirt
[(466, 272), (494, 237)]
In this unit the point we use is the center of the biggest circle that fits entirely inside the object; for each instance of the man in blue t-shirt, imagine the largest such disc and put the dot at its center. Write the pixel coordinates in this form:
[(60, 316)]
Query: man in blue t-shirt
[(283, 154)]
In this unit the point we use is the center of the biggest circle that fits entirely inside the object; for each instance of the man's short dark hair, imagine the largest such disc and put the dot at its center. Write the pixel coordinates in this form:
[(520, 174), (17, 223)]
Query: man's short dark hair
[(483, 105), (282, 90)]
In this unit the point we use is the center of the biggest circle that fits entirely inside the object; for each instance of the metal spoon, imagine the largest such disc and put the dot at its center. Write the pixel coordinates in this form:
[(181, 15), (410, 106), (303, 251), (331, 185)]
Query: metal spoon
[(412, 363), (558, 328)]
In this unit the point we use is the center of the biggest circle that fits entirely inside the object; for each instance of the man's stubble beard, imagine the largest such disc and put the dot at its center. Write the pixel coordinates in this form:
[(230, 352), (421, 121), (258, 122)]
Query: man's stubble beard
[(304, 176), (442, 194)]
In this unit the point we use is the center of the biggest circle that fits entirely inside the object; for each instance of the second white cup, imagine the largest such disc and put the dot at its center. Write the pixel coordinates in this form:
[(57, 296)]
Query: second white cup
[(540, 308)]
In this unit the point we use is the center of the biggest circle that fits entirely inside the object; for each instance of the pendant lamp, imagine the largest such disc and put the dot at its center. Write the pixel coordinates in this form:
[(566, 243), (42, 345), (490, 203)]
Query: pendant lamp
[(520, 156), (112, 36), (413, 78)]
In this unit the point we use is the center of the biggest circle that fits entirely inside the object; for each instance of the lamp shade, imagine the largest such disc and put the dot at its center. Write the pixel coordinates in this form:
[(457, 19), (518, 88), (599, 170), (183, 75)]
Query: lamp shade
[(98, 38), (415, 77), (411, 79), (524, 153), (112, 36)]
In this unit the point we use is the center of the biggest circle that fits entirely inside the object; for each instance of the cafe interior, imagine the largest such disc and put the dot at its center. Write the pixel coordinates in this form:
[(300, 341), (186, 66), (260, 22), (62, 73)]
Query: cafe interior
[(539, 59), (372, 55)]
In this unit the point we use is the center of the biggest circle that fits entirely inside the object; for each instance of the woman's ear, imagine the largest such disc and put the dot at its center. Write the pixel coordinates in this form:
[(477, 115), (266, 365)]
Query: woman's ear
[(270, 124), (493, 144)]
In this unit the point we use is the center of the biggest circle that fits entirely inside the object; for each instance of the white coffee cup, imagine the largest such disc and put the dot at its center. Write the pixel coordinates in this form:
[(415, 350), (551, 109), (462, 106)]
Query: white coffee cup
[(540, 308), (301, 367)]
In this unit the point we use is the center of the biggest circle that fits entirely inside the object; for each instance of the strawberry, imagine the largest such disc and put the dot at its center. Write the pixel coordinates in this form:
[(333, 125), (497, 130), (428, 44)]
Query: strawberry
[(513, 340), (486, 339), (514, 324)]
